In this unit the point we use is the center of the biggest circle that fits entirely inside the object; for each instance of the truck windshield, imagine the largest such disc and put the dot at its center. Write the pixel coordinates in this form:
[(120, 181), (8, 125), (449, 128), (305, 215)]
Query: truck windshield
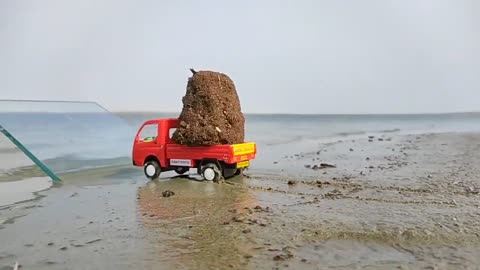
[(149, 133)]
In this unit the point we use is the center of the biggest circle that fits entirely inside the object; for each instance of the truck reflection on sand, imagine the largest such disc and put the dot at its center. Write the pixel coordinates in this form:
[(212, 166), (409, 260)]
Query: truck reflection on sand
[(195, 225)]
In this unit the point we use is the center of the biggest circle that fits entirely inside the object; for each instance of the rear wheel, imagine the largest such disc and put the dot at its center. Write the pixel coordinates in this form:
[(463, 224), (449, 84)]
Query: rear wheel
[(182, 170), (239, 171), (211, 172), (152, 169)]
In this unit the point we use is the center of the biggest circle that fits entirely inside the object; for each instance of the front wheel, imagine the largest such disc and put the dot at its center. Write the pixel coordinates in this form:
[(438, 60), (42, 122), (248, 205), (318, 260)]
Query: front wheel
[(211, 172), (152, 169)]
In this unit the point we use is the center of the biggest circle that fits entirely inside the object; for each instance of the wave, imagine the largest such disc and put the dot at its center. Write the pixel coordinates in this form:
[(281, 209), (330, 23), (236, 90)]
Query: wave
[(390, 130), (346, 134), (71, 163), (285, 141)]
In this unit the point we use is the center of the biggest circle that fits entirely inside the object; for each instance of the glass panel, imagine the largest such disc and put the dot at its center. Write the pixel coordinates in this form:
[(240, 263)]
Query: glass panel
[(149, 133), (68, 136), (171, 131)]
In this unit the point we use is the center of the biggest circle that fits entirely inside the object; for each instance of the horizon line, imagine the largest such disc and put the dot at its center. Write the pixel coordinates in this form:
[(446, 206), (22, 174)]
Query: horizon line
[(249, 113), (307, 114)]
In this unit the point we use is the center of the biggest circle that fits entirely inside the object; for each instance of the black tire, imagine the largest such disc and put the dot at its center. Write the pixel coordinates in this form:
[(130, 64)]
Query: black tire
[(152, 169), (211, 172), (239, 171), (181, 170)]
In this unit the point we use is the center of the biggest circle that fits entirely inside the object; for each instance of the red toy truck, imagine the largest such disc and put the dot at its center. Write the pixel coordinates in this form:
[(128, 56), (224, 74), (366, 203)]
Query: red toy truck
[(154, 149)]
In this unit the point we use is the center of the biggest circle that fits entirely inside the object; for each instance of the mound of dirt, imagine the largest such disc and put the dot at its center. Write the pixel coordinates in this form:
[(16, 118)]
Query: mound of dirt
[(211, 111)]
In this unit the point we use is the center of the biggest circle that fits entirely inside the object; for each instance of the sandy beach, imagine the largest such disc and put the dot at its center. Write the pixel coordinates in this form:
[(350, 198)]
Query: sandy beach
[(392, 202)]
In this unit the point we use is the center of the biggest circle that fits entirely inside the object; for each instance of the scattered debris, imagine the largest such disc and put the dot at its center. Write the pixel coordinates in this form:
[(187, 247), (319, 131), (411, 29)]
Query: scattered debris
[(247, 231), (238, 219), (292, 182), (258, 208), (168, 193), (283, 257), (327, 165), (93, 241)]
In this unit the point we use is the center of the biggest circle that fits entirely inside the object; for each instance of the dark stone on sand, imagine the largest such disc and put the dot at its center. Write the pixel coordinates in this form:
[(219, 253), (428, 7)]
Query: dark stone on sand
[(371, 137), (211, 111), (63, 248), (351, 149), (308, 166), (168, 193), (247, 231), (282, 257), (315, 167), (292, 182), (258, 208), (237, 219), (380, 139), (275, 162), (327, 165), (367, 158), (50, 244), (93, 241)]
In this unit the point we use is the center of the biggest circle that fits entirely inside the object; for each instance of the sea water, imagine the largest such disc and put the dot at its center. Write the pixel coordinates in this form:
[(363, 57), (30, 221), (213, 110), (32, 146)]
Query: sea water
[(75, 141)]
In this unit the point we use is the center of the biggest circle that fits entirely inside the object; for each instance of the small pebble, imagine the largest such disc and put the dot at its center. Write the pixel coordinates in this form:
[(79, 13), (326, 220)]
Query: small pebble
[(168, 193)]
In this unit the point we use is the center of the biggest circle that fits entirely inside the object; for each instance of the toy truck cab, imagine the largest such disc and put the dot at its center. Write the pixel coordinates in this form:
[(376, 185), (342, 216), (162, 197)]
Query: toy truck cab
[(154, 149)]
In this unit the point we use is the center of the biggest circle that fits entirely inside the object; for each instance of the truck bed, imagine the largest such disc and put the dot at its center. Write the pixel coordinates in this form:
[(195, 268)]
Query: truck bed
[(229, 153)]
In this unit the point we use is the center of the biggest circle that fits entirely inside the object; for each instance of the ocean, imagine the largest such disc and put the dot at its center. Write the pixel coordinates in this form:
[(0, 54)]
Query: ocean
[(78, 141)]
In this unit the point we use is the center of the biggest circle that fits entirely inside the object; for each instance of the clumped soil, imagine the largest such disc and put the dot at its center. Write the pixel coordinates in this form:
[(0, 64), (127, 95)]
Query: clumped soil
[(211, 111)]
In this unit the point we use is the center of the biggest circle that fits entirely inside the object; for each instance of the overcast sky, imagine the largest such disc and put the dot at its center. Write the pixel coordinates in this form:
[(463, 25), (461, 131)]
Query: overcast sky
[(298, 56)]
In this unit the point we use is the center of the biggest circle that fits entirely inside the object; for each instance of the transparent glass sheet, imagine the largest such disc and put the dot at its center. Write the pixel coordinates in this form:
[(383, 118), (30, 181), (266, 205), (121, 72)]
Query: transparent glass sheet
[(69, 136)]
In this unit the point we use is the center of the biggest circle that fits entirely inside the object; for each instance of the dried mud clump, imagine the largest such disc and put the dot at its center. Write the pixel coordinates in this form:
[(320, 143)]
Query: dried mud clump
[(211, 112)]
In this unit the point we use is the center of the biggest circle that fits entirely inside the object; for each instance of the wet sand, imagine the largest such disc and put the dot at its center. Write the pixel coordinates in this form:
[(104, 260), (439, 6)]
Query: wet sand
[(392, 202)]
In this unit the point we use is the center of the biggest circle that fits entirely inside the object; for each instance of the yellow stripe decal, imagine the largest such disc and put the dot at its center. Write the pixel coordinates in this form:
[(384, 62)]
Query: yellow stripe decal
[(243, 164)]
